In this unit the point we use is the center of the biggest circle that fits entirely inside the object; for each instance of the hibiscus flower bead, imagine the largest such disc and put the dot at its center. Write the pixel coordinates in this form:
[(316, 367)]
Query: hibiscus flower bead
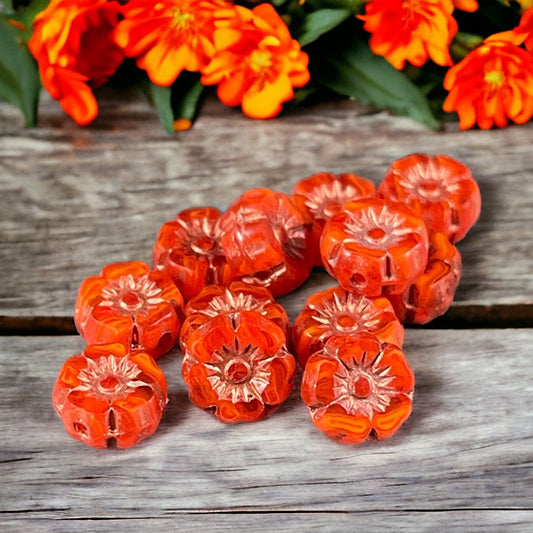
[(334, 312), (433, 291), (129, 303), (265, 240), (215, 300), (108, 396), (238, 368), (320, 196), (357, 388), (188, 250), (373, 243), (438, 188)]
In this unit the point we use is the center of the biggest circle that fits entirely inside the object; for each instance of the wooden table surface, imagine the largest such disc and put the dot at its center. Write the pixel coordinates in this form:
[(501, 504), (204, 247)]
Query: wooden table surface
[(74, 199)]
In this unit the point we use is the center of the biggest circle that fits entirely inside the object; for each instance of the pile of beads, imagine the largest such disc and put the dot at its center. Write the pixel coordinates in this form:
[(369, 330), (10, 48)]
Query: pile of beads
[(212, 287)]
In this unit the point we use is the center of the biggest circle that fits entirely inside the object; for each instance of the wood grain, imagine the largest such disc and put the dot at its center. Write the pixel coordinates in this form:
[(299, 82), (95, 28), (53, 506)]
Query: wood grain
[(74, 199), (475, 521), (464, 457)]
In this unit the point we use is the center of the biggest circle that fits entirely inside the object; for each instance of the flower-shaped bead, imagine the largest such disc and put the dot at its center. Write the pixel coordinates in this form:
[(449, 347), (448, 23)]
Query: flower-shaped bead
[(131, 304), (357, 388), (320, 196), (373, 243), (265, 239), (238, 368), (433, 291), (438, 188), (334, 312), (107, 396), (188, 250), (215, 300)]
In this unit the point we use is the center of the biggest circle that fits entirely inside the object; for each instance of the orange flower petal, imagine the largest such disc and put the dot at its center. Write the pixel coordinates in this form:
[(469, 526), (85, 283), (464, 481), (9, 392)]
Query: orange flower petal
[(266, 103), (492, 84), (412, 30)]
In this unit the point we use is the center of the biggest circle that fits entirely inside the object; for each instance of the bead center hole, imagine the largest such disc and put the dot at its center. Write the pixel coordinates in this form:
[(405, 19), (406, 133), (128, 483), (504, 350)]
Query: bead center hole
[(131, 300), (362, 386), (429, 189), (109, 383), (331, 207), (346, 322), (376, 234), (202, 245), (237, 371)]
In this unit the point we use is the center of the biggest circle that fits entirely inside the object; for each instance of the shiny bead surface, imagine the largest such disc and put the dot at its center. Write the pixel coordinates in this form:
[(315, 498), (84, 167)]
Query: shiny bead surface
[(338, 312), (357, 388), (107, 396), (439, 188), (188, 250), (433, 291), (320, 196), (373, 243), (215, 300), (265, 239), (132, 304), (238, 368)]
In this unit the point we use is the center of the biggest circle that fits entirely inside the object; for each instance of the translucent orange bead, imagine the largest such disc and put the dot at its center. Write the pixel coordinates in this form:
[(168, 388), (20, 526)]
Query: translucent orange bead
[(188, 250), (433, 291), (237, 367), (215, 300), (357, 388), (107, 396), (265, 239), (439, 188), (132, 304), (373, 243), (320, 196), (338, 312)]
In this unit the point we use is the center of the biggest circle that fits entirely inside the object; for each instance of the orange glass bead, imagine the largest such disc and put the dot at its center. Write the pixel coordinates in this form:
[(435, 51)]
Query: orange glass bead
[(132, 304), (439, 188), (433, 291), (188, 250), (265, 239), (320, 196), (357, 388), (238, 368), (338, 312), (107, 396), (215, 300), (373, 243)]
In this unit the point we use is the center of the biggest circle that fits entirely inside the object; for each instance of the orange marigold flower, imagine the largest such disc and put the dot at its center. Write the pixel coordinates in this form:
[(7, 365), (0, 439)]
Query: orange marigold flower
[(256, 63), (522, 34), (411, 30), (466, 5), (492, 83), (73, 43), (169, 36)]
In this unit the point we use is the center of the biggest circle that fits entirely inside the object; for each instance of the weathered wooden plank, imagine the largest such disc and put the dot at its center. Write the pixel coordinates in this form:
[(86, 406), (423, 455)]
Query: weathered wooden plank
[(468, 446), (74, 199), (477, 521)]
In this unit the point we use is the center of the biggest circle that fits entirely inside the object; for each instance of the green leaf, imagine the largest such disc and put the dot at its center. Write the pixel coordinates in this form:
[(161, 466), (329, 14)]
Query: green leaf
[(319, 22), (161, 98), (354, 71), (19, 76), (6, 7), (354, 6), (186, 95), (180, 101), (25, 14)]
